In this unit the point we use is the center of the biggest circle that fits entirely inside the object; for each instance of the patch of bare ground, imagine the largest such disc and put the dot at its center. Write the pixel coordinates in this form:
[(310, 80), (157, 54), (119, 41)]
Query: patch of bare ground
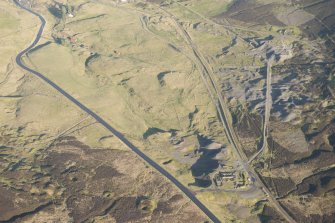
[(293, 140), (269, 215), (279, 186), (324, 17), (280, 155), (249, 130), (251, 12)]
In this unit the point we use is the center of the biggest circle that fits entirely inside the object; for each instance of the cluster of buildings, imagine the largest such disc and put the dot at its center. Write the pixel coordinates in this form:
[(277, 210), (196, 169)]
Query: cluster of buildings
[(237, 179)]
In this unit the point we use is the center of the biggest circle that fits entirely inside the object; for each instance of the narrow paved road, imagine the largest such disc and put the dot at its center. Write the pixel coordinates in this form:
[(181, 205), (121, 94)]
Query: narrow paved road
[(187, 192)]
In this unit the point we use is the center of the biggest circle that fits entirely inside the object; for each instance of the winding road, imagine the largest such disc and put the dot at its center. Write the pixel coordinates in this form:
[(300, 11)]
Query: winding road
[(117, 134)]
